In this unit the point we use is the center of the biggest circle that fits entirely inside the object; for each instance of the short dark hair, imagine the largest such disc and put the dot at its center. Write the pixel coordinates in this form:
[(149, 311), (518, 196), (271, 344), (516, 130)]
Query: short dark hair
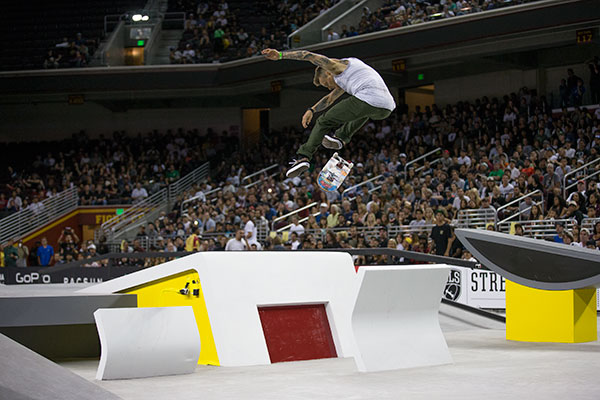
[(318, 72)]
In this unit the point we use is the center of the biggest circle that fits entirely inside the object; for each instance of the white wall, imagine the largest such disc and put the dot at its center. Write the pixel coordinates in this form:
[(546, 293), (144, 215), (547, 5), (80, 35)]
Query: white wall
[(494, 84), (30, 122)]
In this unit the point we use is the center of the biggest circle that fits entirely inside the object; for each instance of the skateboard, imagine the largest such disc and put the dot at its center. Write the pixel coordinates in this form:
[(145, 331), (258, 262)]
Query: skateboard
[(334, 173)]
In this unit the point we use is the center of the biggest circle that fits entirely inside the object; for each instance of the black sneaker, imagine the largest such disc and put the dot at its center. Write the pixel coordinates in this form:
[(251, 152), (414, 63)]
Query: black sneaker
[(331, 142), (298, 167)]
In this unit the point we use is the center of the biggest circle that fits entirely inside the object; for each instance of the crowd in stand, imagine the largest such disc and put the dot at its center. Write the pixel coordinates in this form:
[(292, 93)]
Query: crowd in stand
[(117, 170), (213, 32), (494, 151), (396, 14), (71, 53)]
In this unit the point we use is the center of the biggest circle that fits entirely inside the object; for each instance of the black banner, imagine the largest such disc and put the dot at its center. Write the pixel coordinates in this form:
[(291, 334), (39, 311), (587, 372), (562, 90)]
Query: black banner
[(31, 275)]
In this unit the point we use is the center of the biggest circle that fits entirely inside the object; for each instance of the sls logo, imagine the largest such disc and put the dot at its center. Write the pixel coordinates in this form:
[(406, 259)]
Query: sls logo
[(452, 289)]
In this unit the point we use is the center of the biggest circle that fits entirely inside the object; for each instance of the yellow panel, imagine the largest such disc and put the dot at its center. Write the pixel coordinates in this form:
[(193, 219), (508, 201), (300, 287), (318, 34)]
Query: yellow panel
[(564, 316), (165, 293)]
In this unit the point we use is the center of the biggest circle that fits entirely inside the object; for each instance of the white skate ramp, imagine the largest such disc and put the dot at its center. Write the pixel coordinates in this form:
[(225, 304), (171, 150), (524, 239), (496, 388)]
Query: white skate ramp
[(395, 318)]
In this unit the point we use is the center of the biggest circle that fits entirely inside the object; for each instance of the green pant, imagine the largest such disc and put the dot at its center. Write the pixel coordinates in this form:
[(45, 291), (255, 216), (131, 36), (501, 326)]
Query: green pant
[(348, 116)]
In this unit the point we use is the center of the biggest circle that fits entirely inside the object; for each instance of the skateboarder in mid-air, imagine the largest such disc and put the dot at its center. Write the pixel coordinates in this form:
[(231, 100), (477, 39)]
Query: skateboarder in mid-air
[(369, 99)]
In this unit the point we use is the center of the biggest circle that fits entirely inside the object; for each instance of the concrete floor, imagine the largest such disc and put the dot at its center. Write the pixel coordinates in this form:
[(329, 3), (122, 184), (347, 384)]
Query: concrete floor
[(486, 366)]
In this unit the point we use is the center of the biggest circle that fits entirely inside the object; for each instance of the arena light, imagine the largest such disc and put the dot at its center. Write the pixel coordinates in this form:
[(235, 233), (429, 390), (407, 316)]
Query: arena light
[(136, 17)]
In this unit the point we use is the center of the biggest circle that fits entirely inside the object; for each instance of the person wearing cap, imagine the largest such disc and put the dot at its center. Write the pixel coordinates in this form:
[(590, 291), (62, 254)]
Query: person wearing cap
[(584, 236), (573, 212), (446, 160), (369, 99), (323, 212)]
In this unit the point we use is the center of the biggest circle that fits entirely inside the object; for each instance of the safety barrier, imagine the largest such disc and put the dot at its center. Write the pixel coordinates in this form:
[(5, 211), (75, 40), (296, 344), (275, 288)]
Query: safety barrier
[(540, 229), (347, 192), (478, 219), (31, 219), (290, 214), (500, 210), (150, 207), (581, 173), (424, 156)]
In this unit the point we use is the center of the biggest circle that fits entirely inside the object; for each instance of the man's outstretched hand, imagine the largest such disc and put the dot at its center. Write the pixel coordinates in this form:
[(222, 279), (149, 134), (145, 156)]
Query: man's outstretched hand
[(271, 54), (306, 118)]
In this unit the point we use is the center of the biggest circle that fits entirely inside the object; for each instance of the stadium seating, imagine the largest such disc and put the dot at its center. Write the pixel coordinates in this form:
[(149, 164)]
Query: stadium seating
[(30, 31), (521, 169)]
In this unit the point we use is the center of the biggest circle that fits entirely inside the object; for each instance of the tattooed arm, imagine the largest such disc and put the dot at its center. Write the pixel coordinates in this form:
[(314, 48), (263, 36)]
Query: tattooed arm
[(327, 100), (332, 65), (321, 105)]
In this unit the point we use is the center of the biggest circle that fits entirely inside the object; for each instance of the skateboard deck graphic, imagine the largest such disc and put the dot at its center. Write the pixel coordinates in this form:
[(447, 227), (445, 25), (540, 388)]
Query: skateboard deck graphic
[(334, 173)]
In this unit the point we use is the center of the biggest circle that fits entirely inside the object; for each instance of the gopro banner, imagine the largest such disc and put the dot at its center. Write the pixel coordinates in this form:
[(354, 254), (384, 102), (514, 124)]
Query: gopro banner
[(37, 275), (480, 288)]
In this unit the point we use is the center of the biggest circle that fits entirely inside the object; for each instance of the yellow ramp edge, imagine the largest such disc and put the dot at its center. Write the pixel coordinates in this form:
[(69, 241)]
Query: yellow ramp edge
[(165, 293), (559, 316)]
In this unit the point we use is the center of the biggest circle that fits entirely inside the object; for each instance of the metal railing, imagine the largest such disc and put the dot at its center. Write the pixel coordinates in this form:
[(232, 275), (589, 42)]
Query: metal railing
[(367, 231), (135, 215), (270, 167), (361, 184), (183, 184), (285, 216), (437, 150), (478, 219), (394, 231), (589, 224), (150, 207), (422, 167), (29, 220), (540, 229), (579, 173), (535, 193), (174, 20)]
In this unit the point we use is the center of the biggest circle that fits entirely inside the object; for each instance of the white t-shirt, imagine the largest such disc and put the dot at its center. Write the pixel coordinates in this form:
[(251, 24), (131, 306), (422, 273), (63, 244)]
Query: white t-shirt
[(299, 229), (250, 227), (364, 83), (464, 160), (139, 193), (234, 244), (504, 190), (457, 200)]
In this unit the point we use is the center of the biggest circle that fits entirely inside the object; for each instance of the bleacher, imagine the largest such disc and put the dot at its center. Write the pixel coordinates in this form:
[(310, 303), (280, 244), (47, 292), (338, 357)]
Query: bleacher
[(29, 30)]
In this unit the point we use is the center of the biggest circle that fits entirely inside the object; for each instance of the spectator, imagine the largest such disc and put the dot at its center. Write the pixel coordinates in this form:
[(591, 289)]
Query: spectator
[(332, 35), (139, 193), (594, 66), (22, 253), (11, 254), (296, 227), (560, 232), (236, 243), (45, 253), (440, 234)]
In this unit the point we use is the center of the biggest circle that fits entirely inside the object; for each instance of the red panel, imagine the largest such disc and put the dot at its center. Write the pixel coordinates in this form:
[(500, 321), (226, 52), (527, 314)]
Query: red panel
[(296, 333)]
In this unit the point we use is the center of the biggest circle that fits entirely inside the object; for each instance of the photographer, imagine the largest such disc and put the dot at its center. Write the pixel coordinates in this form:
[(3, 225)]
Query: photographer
[(23, 254), (64, 237)]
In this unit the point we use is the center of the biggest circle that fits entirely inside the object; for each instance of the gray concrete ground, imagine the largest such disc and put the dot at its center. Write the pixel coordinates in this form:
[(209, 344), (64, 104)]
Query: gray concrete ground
[(486, 366)]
